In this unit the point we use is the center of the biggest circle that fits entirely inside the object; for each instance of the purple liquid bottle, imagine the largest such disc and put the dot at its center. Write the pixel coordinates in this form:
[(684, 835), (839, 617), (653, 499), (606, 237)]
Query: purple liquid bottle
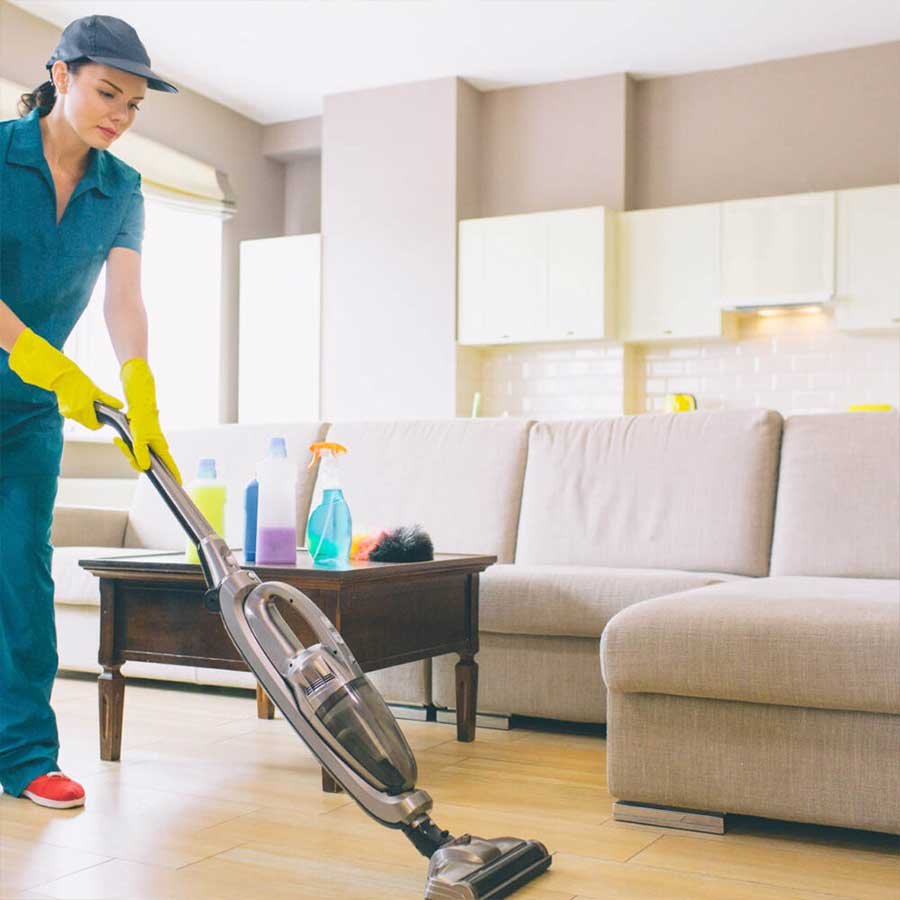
[(276, 530)]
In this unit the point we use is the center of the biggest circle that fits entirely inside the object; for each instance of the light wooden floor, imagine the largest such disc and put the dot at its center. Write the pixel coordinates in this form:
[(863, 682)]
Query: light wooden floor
[(209, 802)]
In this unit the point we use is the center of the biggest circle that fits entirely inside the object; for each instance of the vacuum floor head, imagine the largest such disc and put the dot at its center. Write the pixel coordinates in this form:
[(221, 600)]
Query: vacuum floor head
[(473, 868)]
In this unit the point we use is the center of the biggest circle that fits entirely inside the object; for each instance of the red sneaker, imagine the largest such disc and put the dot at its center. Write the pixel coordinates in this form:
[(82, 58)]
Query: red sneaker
[(55, 790)]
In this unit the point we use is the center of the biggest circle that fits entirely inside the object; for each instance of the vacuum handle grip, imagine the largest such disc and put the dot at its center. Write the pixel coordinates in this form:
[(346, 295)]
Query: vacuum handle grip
[(277, 637), (178, 500), (106, 415)]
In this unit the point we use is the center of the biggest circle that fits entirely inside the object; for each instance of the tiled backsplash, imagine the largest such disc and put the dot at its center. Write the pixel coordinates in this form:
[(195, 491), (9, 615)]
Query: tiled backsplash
[(793, 363), (554, 380)]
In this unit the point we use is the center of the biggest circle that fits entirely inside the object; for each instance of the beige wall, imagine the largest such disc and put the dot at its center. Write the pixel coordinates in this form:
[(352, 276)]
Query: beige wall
[(286, 141), (813, 123), (194, 125), (830, 120), (389, 261), (303, 196), (554, 146)]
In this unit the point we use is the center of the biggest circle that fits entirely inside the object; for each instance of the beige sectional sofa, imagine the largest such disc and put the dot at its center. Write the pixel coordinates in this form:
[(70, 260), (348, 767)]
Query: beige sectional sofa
[(731, 687)]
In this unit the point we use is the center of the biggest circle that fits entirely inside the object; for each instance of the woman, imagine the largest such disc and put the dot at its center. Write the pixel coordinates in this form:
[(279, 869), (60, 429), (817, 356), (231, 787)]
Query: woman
[(67, 206)]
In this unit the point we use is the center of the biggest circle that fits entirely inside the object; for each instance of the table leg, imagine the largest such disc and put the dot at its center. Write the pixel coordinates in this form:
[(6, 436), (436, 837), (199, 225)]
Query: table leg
[(466, 696), (265, 708), (111, 691), (329, 785)]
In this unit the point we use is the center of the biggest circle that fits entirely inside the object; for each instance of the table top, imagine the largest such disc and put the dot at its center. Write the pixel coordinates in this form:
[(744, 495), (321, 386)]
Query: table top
[(170, 565)]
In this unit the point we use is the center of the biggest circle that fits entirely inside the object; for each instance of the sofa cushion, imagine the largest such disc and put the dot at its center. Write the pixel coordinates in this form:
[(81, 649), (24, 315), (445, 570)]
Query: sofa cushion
[(829, 643), (236, 449), (838, 510), (693, 491), (76, 586), (461, 479), (575, 601), (100, 526)]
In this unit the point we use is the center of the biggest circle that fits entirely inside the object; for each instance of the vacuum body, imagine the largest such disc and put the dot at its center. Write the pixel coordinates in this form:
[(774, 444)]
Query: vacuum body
[(337, 711)]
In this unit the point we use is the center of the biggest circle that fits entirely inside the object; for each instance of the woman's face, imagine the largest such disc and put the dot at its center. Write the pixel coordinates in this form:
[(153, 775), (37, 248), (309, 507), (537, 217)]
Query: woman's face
[(100, 101)]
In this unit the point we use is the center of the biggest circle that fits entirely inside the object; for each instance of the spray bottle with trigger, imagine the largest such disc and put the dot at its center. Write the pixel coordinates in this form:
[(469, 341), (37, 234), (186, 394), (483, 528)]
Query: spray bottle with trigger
[(330, 528)]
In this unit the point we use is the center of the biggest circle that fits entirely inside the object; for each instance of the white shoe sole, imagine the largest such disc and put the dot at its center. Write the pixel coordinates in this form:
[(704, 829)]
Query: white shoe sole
[(53, 804)]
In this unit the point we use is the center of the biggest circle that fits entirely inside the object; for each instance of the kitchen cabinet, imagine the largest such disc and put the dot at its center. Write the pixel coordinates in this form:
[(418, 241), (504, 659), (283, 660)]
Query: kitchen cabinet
[(279, 336), (868, 259), (668, 270), (537, 277), (777, 251)]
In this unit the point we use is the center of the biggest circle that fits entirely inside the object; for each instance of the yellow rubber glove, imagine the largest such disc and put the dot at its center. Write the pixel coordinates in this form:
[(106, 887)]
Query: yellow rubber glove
[(37, 362), (143, 417)]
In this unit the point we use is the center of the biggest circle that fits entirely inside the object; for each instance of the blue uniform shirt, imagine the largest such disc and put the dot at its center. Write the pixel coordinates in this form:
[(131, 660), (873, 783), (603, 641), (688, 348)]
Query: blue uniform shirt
[(48, 271)]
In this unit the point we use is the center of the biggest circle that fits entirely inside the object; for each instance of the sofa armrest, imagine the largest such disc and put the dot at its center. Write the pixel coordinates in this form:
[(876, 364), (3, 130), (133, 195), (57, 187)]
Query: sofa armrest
[(88, 526)]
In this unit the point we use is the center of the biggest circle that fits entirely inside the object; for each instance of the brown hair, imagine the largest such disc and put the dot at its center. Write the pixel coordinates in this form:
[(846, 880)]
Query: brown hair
[(44, 95)]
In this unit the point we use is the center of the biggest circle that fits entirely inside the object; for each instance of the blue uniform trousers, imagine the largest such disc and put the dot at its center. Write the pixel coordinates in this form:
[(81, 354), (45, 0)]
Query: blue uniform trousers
[(30, 449)]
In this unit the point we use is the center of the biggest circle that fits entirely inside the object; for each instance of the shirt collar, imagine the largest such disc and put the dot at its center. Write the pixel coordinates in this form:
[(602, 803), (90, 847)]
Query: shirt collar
[(27, 149)]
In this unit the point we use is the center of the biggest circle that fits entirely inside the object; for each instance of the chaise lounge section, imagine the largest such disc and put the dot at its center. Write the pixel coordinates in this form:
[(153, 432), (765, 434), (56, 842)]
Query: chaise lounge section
[(776, 697)]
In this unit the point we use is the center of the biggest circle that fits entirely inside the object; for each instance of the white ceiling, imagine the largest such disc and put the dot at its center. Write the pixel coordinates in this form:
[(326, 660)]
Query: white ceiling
[(274, 60)]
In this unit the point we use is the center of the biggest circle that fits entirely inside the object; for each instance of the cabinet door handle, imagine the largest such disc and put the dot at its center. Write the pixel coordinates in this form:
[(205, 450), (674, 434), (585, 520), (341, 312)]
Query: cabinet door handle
[(667, 331)]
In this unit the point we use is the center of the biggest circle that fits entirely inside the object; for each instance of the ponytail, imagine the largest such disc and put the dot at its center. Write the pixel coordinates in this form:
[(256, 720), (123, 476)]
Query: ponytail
[(44, 96)]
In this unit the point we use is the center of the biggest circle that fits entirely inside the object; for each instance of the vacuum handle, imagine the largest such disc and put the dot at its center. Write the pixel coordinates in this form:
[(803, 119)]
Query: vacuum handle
[(215, 558), (278, 638)]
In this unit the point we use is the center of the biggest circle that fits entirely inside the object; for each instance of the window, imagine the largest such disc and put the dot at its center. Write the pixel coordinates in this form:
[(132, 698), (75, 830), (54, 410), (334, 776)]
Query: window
[(181, 278)]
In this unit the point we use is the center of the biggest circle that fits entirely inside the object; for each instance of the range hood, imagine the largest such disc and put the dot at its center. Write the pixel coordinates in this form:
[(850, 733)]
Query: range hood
[(784, 310), (770, 305)]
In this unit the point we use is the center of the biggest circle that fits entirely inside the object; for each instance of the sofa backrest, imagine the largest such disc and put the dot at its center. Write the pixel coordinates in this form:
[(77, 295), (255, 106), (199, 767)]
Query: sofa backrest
[(838, 509), (691, 491), (236, 449), (460, 479)]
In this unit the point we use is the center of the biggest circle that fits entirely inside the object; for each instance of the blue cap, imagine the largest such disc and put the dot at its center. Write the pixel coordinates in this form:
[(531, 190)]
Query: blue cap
[(207, 468), (111, 42), (277, 448)]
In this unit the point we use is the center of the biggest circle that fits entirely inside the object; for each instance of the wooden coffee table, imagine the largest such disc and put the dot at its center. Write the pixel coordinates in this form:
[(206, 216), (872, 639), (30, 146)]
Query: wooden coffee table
[(151, 609)]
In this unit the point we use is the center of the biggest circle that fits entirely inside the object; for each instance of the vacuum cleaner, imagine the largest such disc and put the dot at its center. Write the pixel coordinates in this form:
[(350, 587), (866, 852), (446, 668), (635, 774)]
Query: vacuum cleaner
[(337, 712)]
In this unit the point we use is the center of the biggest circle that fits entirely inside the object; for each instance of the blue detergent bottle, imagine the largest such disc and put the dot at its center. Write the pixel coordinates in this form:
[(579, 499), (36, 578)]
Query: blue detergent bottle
[(330, 528), (251, 507)]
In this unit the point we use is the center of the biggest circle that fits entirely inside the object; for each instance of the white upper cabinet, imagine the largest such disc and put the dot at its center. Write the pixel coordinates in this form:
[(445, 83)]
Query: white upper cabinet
[(868, 259), (536, 277), (580, 274), (668, 270), (279, 346), (778, 250)]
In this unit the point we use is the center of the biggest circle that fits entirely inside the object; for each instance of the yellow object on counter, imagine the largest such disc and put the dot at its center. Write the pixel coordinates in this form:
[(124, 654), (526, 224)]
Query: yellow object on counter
[(870, 407), (680, 403)]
